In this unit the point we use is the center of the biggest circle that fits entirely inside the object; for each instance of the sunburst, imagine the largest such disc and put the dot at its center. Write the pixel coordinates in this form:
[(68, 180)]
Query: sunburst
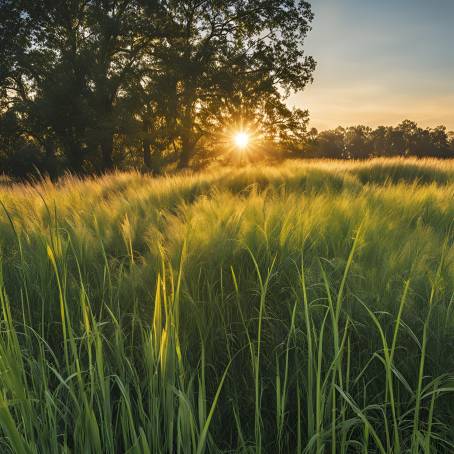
[(241, 139)]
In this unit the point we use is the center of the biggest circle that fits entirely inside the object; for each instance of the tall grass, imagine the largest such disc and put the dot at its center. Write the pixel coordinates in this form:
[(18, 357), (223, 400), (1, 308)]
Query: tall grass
[(306, 307)]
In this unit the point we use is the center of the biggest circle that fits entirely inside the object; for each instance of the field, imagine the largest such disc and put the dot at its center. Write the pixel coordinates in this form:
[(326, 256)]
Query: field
[(307, 307)]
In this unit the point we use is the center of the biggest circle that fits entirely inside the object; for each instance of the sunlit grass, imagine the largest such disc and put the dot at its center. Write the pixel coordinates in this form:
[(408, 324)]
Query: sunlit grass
[(306, 307)]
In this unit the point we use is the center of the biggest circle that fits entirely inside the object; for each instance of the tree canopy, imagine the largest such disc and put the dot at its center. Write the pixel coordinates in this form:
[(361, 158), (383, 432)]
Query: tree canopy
[(88, 85)]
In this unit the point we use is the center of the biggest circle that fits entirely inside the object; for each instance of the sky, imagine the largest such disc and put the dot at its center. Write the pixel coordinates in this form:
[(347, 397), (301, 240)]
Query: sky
[(380, 62)]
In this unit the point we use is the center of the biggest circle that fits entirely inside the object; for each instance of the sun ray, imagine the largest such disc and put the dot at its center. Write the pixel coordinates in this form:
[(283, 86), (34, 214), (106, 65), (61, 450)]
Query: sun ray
[(241, 140)]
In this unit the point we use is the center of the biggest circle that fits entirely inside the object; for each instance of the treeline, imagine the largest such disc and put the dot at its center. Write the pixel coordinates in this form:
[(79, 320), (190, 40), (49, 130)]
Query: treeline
[(363, 142), (90, 85)]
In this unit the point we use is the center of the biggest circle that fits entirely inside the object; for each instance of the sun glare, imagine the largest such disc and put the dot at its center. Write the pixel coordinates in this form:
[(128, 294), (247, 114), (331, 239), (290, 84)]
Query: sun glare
[(241, 140)]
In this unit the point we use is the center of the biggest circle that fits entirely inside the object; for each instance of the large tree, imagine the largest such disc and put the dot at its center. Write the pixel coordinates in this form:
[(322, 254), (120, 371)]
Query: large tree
[(83, 78), (123, 36), (70, 65), (225, 58), (47, 83)]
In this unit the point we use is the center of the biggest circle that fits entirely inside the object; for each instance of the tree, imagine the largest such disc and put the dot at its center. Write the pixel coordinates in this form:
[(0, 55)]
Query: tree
[(46, 78), (439, 140), (361, 142), (73, 63), (165, 77), (451, 143), (358, 143), (228, 58), (122, 33), (330, 144)]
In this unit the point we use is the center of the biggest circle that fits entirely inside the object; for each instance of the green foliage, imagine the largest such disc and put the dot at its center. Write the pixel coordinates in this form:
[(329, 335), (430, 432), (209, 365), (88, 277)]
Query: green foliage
[(301, 308), (122, 83)]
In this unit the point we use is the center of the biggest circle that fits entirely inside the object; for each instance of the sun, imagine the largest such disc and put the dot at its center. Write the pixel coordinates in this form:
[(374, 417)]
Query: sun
[(241, 140)]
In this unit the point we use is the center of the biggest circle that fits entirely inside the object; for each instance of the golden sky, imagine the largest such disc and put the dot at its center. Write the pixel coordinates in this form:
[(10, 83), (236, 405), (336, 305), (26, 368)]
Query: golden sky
[(380, 62)]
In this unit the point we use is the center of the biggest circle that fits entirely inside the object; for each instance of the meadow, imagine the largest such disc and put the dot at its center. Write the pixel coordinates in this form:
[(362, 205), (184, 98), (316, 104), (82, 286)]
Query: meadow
[(303, 307)]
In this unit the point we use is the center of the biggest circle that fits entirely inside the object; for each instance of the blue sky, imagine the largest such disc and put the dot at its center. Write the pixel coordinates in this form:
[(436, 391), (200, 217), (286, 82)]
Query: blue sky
[(381, 61)]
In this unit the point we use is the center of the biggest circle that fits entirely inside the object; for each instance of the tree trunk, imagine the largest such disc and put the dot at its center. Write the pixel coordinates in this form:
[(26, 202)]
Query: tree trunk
[(187, 151), (146, 145), (107, 151), (74, 154), (107, 126), (152, 160), (50, 158), (188, 140), (147, 154)]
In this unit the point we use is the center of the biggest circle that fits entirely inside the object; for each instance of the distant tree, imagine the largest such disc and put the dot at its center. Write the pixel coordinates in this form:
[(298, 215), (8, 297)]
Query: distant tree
[(358, 142), (361, 142), (451, 142), (424, 142), (412, 136), (396, 144), (379, 138), (439, 140), (330, 144)]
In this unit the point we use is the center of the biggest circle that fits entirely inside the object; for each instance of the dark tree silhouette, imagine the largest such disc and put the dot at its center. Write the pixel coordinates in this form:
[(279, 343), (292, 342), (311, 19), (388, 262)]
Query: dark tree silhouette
[(361, 142), (230, 59), (93, 83)]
